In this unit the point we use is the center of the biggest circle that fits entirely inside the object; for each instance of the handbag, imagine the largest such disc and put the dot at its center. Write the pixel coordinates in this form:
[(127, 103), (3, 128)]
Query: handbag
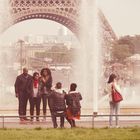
[(116, 96)]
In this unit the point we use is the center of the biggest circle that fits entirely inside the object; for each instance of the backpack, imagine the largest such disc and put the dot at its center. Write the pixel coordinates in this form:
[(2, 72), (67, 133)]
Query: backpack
[(74, 102)]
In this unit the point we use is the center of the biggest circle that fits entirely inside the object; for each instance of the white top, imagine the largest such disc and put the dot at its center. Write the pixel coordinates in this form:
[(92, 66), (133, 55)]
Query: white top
[(109, 89), (73, 92), (59, 90), (35, 90)]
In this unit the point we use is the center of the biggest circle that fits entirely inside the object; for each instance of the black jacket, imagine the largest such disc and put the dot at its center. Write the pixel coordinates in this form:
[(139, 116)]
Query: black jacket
[(47, 85), (56, 101), (73, 99), (24, 85)]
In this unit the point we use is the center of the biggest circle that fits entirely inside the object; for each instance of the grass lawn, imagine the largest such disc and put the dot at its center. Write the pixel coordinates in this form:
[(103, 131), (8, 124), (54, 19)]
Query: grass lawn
[(71, 134)]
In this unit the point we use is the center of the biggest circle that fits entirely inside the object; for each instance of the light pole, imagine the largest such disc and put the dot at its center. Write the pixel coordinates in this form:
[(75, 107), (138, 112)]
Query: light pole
[(21, 42)]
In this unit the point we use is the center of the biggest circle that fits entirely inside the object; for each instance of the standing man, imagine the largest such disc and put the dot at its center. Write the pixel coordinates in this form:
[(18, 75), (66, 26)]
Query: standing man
[(23, 90)]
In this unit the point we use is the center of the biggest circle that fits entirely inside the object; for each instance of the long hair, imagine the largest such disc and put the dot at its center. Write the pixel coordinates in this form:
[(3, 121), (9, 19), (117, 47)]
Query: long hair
[(48, 71), (111, 78), (49, 82)]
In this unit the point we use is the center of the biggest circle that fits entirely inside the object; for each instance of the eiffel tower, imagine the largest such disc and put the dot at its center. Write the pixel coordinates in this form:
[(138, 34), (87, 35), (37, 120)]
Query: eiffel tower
[(65, 12)]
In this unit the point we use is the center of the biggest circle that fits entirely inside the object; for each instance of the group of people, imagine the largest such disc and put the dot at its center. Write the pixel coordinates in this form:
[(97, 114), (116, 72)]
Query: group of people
[(37, 89)]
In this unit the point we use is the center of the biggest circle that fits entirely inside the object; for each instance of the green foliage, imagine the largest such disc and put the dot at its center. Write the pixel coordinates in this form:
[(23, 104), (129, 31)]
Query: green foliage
[(120, 52), (125, 47), (71, 134)]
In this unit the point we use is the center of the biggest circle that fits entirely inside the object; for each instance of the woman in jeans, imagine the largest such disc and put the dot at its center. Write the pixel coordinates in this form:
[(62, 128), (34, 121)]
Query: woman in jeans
[(114, 107), (45, 84)]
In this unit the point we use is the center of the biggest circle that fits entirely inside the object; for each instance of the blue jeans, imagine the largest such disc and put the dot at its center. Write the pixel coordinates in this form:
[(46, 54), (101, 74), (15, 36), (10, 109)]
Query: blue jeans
[(114, 109), (44, 102), (35, 103)]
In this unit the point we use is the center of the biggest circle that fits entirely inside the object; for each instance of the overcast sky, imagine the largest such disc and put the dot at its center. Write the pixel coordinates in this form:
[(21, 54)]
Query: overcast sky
[(123, 16)]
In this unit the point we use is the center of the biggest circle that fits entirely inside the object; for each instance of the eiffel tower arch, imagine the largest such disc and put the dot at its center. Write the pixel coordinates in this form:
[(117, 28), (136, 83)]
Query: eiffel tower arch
[(65, 12)]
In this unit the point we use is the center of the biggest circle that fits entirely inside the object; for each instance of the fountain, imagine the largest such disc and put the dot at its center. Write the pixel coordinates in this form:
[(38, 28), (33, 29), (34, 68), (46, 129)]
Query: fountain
[(89, 54), (6, 57)]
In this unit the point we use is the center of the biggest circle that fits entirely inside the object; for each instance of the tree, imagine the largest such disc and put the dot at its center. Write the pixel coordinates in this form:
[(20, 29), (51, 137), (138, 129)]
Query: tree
[(120, 52)]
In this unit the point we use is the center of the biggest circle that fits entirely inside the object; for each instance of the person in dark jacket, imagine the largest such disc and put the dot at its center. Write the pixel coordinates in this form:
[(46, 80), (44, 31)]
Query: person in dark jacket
[(23, 90), (74, 108), (45, 84), (57, 105), (35, 100)]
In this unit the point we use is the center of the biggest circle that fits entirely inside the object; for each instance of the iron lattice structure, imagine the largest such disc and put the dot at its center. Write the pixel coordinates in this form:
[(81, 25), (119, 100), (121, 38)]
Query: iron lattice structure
[(65, 12)]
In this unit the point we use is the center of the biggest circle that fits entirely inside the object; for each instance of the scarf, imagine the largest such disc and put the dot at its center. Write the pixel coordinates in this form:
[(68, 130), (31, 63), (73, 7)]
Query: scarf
[(35, 83)]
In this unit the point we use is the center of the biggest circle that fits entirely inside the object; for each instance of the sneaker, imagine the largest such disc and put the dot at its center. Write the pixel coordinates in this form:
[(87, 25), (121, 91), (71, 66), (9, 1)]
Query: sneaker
[(62, 127), (55, 126), (22, 120), (111, 126), (26, 119), (117, 126)]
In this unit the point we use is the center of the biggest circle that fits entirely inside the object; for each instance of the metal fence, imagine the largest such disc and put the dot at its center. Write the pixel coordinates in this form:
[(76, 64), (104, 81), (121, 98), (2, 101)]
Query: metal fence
[(86, 121)]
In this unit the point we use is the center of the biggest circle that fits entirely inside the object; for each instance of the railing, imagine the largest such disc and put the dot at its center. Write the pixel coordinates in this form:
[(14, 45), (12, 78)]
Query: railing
[(122, 115), (91, 122)]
